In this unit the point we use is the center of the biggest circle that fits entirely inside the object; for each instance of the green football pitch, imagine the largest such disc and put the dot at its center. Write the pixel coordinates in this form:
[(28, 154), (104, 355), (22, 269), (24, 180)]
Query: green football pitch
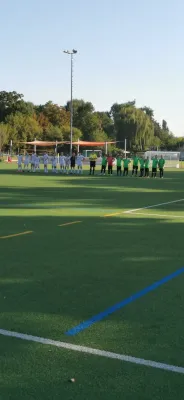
[(72, 247)]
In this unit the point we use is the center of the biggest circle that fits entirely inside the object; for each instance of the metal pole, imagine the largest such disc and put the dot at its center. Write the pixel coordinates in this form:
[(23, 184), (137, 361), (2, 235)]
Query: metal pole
[(71, 53), (105, 147), (125, 147), (71, 106), (35, 146), (10, 147), (78, 146)]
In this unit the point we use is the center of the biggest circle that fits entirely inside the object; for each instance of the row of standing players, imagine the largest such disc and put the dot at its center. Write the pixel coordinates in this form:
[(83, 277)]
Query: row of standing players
[(107, 160), (67, 162), (32, 162)]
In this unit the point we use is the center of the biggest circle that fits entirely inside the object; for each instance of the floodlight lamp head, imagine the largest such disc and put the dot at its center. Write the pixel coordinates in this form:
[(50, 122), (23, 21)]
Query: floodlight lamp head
[(74, 51)]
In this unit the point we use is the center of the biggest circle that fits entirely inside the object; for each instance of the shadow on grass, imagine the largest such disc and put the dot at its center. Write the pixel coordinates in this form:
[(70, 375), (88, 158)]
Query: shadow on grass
[(90, 193), (58, 277), (32, 371), (75, 271)]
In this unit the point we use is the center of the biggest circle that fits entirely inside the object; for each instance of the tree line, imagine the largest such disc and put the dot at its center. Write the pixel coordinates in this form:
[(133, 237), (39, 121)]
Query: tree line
[(23, 121)]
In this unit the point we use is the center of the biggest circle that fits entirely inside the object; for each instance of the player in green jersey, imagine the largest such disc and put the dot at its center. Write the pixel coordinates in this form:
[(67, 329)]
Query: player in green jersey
[(118, 163), (142, 163), (161, 164), (147, 163), (135, 165), (154, 167), (104, 164), (126, 163)]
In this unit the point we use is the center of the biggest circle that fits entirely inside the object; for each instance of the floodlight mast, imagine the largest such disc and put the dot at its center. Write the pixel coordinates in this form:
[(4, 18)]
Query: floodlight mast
[(71, 53)]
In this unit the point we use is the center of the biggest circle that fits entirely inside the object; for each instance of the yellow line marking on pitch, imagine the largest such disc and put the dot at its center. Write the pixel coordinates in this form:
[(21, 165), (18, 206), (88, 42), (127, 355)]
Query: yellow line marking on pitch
[(111, 215), (70, 223), (16, 234)]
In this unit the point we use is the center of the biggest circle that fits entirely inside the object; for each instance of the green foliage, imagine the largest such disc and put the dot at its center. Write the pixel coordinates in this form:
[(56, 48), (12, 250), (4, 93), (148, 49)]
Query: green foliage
[(100, 136), (148, 111), (22, 128), (80, 108), (3, 135), (26, 108), (24, 121), (77, 134), (9, 101), (55, 114), (164, 126), (84, 118), (105, 123), (52, 133), (133, 124)]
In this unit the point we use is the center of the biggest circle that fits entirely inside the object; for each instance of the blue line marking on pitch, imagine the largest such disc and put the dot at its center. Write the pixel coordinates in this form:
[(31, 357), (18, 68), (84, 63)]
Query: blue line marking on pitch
[(123, 303)]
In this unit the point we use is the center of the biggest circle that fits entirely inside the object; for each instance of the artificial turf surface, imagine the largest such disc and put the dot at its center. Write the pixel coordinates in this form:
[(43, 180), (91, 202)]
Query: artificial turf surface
[(58, 276)]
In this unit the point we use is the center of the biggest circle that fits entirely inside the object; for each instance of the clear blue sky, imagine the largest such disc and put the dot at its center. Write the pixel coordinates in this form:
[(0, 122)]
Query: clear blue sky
[(126, 50)]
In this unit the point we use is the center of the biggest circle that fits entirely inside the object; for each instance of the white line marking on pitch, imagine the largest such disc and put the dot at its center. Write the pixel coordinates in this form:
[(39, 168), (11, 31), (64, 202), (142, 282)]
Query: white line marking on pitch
[(159, 215), (142, 208), (155, 205), (89, 350)]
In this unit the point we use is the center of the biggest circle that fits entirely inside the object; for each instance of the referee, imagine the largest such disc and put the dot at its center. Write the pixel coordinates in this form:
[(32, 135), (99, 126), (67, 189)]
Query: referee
[(92, 160)]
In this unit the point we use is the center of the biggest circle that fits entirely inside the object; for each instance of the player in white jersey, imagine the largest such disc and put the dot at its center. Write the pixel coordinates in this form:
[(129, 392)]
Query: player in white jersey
[(79, 161), (37, 163), (26, 162), (33, 159), (54, 164), (19, 157), (62, 163), (67, 163), (45, 162)]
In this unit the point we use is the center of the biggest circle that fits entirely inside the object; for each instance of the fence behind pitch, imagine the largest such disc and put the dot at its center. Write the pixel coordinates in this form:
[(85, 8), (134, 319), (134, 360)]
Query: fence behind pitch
[(171, 158)]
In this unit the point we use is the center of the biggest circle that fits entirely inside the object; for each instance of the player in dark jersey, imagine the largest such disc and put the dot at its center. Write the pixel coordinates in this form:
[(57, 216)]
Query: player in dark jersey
[(72, 163)]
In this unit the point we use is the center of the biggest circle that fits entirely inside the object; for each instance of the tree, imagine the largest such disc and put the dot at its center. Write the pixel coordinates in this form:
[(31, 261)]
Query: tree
[(24, 121), (3, 135), (165, 137), (55, 114), (53, 133), (106, 123), (43, 121), (171, 142), (80, 109), (84, 117), (22, 128), (99, 136), (89, 125), (133, 124), (148, 111), (155, 143), (25, 107), (8, 103), (116, 108), (165, 126), (77, 134)]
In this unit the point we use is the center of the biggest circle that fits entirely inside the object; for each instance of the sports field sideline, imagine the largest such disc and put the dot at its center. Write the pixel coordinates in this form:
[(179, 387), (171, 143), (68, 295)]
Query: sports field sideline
[(92, 271)]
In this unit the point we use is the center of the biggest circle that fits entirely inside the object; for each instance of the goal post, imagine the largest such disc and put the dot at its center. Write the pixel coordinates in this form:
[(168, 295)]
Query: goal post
[(172, 158)]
